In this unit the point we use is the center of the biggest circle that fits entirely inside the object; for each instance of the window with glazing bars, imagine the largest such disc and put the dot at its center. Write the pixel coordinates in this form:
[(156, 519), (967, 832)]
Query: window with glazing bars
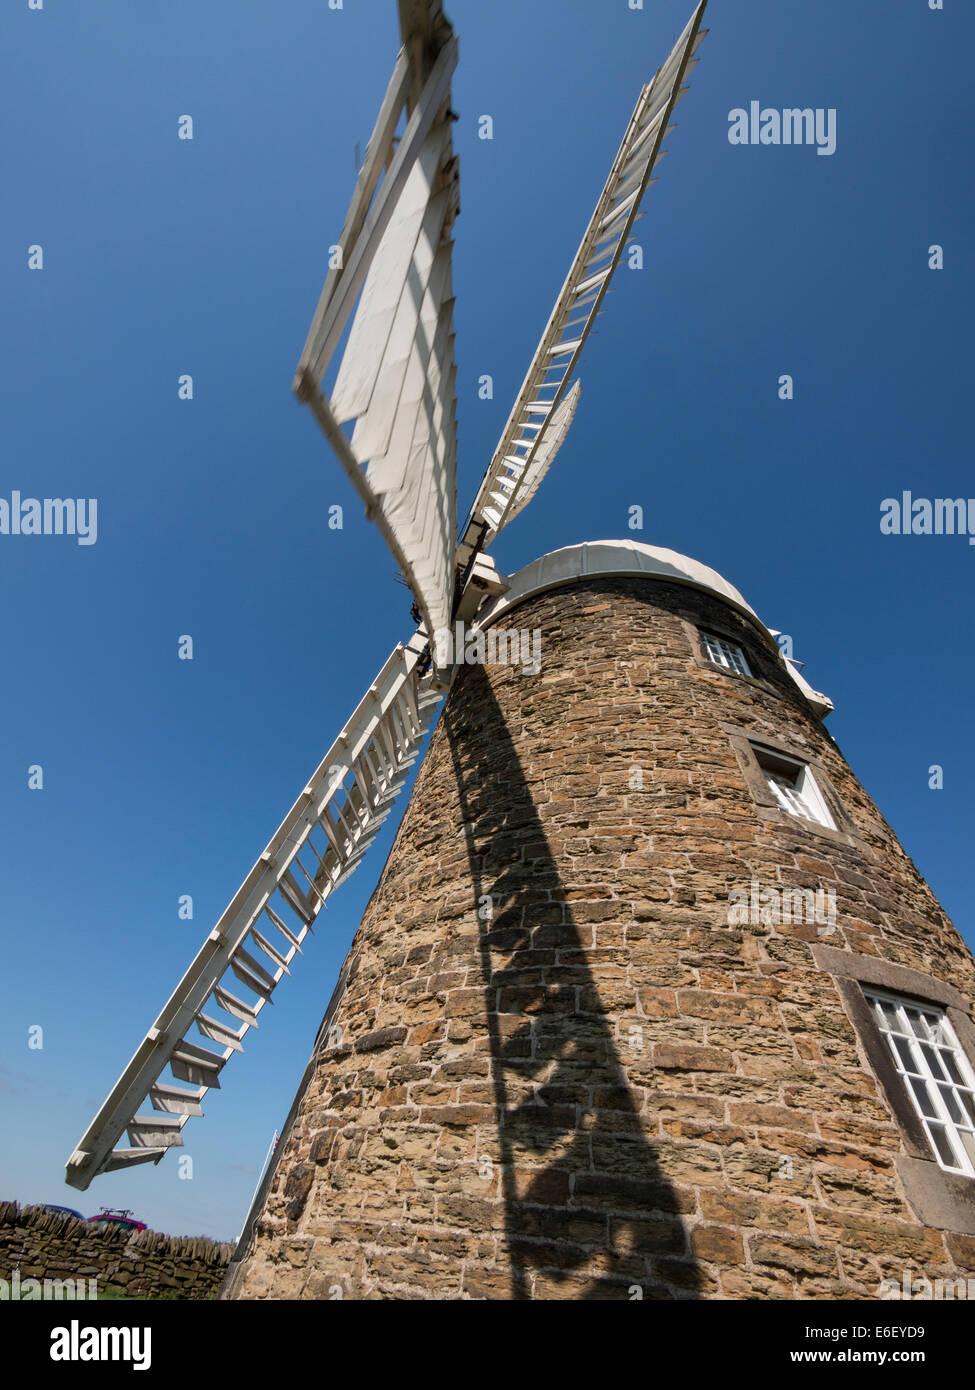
[(794, 787), (936, 1075), (725, 653)]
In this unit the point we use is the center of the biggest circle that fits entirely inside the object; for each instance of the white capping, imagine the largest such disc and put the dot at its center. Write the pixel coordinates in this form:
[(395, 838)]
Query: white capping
[(592, 558), (572, 562)]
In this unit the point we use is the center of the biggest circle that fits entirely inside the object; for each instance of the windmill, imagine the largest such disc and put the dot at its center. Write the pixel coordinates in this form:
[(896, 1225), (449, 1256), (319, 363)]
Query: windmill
[(390, 286)]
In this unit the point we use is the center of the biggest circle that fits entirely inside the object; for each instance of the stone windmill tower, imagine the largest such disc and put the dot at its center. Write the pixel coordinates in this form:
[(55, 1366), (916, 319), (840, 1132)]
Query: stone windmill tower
[(648, 1002)]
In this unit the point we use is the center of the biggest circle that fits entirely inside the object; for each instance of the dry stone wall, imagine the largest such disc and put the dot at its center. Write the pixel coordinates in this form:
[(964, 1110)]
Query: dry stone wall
[(39, 1245)]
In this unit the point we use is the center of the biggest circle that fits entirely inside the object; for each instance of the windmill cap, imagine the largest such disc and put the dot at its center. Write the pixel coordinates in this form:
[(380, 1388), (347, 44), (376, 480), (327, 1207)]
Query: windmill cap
[(593, 559), (598, 558)]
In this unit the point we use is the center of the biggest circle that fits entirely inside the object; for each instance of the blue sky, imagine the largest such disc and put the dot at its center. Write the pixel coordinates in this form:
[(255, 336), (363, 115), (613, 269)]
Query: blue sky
[(164, 257)]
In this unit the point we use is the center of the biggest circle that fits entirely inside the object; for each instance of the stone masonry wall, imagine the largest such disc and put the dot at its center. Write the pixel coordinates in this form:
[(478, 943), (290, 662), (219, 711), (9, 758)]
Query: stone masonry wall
[(597, 1088), (47, 1245)]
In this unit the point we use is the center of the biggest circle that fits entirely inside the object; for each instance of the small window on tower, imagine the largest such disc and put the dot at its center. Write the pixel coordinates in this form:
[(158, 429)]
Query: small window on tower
[(793, 786), (724, 652), (935, 1073)]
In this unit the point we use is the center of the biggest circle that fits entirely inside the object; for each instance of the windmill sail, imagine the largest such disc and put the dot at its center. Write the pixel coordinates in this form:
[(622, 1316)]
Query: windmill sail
[(510, 499), (535, 429), (317, 846), (397, 377), (396, 382)]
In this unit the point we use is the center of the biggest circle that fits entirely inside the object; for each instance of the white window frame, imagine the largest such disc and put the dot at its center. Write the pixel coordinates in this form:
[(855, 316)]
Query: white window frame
[(793, 786), (918, 1050), (721, 651)]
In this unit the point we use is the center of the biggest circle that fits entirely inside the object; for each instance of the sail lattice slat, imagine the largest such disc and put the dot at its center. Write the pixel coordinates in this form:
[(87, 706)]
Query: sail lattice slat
[(516, 465), (256, 941)]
